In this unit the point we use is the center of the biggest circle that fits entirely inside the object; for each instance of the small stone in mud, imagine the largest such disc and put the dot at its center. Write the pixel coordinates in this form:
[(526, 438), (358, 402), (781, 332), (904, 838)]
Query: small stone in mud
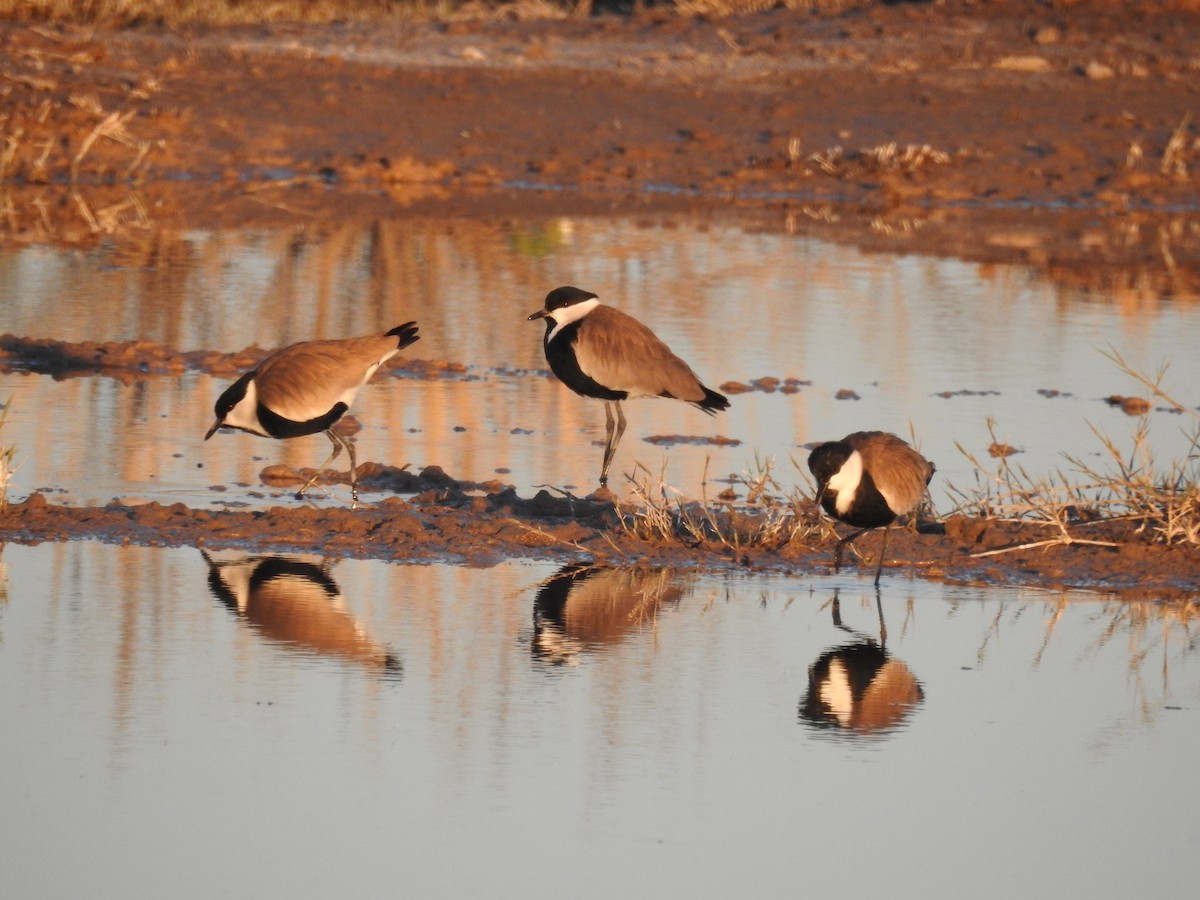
[(460, 427), (727, 494), (846, 394), (521, 431), (736, 387), (1048, 34), (1000, 451)]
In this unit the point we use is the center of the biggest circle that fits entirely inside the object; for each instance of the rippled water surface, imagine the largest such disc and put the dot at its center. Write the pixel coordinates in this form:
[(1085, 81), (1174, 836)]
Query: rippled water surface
[(256, 726), (900, 343)]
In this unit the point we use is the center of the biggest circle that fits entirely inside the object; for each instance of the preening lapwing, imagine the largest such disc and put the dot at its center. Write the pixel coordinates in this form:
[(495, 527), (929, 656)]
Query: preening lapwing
[(306, 388), (598, 351), (868, 479), (859, 687)]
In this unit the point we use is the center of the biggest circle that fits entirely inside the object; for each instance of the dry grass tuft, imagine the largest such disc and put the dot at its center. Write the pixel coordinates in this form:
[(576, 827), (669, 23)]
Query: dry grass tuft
[(6, 459), (908, 160), (1163, 501), (768, 519)]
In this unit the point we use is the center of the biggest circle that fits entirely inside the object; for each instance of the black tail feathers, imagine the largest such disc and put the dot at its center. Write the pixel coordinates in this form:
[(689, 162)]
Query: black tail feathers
[(406, 334), (713, 402)]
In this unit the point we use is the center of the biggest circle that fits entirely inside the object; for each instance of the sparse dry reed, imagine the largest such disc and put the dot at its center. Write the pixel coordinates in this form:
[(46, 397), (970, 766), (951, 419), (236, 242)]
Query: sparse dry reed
[(7, 454), (767, 519), (890, 157), (1162, 501)]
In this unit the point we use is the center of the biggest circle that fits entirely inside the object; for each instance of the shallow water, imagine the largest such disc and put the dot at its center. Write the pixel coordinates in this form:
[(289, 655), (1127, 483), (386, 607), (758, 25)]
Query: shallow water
[(738, 303), (279, 728)]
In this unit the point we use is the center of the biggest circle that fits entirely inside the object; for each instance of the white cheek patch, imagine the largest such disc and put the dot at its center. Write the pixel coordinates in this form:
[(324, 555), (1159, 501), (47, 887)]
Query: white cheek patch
[(835, 693), (846, 481), (568, 314), (236, 578), (245, 414)]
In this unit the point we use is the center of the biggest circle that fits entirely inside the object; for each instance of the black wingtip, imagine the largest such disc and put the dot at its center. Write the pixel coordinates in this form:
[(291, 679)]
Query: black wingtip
[(713, 402), (405, 334)]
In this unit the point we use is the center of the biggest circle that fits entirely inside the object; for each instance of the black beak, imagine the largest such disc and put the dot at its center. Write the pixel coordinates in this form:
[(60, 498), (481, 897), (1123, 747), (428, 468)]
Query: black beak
[(540, 314)]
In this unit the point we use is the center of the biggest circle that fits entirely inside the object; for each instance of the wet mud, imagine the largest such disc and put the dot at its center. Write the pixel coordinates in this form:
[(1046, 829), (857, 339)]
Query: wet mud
[(1055, 136), (474, 524)]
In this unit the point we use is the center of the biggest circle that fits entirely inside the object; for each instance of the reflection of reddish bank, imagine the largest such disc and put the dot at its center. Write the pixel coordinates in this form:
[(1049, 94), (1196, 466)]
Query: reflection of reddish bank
[(859, 687), (584, 607), (296, 603)]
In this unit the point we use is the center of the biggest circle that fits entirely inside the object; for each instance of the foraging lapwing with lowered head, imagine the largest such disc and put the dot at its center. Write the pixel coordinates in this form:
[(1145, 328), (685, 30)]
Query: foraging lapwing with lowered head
[(867, 480), (598, 351), (296, 603), (306, 388)]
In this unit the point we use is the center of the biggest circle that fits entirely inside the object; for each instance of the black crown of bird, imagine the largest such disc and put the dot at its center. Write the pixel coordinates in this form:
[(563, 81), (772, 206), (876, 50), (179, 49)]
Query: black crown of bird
[(308, 387), (598, 351), (868, 479)]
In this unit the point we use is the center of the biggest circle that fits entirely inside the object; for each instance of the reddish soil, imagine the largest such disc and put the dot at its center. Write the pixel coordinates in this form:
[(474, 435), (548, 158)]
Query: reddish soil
[(1053, 134)]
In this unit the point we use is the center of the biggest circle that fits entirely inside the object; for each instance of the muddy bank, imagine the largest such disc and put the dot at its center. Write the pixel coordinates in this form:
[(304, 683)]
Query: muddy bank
[(485, 524), (1059, 135)]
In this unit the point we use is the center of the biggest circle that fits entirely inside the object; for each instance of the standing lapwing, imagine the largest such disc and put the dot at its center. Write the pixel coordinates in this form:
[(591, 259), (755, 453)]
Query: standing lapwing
[(598, 351), (306, 388), (868, 479)]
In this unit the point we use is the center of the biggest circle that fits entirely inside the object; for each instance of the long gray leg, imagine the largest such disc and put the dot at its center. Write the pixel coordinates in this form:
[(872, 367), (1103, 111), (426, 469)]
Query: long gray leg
[(882, 550), (338, 442), (611, 439), (608, 443)]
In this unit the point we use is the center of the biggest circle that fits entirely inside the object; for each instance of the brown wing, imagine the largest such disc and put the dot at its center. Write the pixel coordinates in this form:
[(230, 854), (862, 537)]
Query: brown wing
[(900, 472), (619, 352), (304, 381)]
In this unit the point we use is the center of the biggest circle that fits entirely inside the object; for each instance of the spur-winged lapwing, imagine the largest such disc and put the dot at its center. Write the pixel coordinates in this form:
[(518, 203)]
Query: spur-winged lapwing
[(306, 388), (868, 479), (598, 351)]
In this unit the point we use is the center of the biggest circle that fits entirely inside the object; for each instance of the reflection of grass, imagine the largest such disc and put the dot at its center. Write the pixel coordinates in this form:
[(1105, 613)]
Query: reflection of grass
[(542, 240), (768, 519), (1154, 633), (1163, 501), (6, 459)]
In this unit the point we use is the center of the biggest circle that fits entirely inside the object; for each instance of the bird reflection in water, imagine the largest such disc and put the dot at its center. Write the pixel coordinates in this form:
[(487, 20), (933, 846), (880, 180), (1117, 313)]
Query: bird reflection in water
[(296, 603), (585, 607), (858, 688)]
